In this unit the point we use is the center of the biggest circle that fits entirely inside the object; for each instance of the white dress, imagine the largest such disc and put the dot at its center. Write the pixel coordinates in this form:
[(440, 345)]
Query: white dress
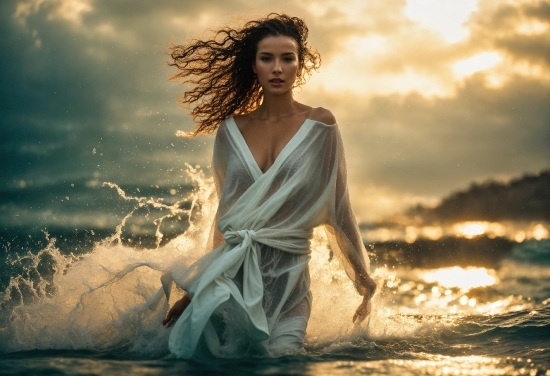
[(250, 294)]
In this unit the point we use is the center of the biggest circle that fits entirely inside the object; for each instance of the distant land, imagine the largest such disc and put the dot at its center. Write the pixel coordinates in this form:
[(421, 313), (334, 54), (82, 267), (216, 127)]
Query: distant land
[(522, 199)]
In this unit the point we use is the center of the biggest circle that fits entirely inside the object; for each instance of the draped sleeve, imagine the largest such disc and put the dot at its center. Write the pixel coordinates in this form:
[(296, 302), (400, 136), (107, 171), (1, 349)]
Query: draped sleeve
[(219, 171), (341, 228)]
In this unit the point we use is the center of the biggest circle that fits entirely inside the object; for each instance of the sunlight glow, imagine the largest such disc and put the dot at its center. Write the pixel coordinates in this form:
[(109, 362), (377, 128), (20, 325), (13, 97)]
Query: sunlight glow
[(520, 236), (464, 279), (431, 364), (426, 232), (517, 232), (531, 28), (530, 69), (432, 232), (464, 365), (476, 63), (411, 234), (366, 46), (472, 229), (539, 232), (444, 16), (347, 74), (495, 80)]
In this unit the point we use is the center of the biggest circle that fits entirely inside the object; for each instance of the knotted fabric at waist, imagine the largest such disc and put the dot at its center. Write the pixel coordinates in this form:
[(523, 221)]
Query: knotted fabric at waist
[(216, 285), (292, 241)]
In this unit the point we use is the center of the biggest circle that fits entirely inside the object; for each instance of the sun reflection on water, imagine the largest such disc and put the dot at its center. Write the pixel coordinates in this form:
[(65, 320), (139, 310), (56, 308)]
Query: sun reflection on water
[(402, 230), (463, 278), (469, 365), (446, 291), (472, 365)]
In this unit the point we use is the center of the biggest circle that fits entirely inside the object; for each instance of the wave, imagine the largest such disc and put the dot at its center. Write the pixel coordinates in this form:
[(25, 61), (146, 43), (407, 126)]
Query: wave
[(100, 302)]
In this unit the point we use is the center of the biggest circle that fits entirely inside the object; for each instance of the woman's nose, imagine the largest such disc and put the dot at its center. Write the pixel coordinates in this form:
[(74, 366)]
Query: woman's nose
[(277, 66)]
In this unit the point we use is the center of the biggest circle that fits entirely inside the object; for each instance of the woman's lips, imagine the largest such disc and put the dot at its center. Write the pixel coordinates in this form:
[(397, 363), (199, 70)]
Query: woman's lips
[(276, 81)]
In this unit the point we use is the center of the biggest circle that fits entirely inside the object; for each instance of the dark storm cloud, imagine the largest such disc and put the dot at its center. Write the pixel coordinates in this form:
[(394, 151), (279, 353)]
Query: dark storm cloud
[(498, 28), (79, 76), (69, 88), (83, 75), (423, 146), (85, 99)]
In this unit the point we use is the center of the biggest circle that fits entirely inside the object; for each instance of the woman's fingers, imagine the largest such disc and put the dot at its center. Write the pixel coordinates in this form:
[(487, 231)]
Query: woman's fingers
[(168, 316), (365, 307), (176, 310), (362, 311)]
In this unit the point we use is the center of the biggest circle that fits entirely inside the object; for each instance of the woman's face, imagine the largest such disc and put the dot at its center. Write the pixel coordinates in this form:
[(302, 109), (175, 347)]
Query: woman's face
[(276, 64)]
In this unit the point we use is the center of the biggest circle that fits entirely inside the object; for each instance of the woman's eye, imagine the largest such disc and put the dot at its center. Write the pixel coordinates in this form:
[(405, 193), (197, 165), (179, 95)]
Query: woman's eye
[(265, 58)]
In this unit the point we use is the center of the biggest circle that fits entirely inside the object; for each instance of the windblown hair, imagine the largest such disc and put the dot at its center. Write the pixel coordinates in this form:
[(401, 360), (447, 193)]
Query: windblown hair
[(219, 71)]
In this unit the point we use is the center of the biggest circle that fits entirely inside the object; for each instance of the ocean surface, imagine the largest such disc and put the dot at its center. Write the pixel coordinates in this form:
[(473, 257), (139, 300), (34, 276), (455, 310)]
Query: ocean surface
[(77, 298)]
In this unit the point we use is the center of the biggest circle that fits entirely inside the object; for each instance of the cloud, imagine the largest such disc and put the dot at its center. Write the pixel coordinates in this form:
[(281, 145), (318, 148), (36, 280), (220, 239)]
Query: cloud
[(521, 29), (79, 75), (80, 90), (413, 148), (423, 144), (404, 55)]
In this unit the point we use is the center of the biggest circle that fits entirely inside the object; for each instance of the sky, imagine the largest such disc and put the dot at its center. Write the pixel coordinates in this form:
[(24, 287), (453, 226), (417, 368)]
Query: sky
[(430, 95)]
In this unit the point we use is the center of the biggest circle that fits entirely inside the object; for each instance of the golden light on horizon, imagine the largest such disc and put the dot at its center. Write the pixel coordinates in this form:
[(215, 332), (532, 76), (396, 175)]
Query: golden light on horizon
[(463, 278), (432, 232), (472, 229), (520, 236), (427, 232), (539, 232), (409, 233)]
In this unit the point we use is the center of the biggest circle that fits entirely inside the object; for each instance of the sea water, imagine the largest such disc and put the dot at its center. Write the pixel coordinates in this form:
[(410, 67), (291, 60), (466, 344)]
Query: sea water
[(70, 310)]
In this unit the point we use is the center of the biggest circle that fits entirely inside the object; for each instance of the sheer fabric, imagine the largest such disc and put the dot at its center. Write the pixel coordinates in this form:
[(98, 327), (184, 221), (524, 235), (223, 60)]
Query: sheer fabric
[(251, 293)]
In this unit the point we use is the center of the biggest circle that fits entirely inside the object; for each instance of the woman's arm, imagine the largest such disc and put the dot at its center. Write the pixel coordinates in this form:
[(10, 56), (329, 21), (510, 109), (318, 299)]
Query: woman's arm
[(342, 230), (347, 239)]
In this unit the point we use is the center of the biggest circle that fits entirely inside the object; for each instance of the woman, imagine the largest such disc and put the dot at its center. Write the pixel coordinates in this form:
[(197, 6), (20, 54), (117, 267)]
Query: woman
[(280, 171)]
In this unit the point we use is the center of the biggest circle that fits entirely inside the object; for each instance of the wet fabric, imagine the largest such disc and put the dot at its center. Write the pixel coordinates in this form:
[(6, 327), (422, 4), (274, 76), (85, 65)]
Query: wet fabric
[(251, 292)]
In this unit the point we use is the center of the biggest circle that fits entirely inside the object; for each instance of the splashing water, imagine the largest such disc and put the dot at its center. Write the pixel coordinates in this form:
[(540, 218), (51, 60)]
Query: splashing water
[(107, 299), (103, 299), (99, 300)]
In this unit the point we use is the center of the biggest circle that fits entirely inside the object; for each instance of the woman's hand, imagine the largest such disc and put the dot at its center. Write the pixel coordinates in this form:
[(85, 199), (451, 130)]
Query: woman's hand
[(176, 310), (365, 307)]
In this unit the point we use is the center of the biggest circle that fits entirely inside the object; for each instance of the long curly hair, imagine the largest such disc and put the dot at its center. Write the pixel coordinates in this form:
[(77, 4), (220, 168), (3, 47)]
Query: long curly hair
[(219, 71)]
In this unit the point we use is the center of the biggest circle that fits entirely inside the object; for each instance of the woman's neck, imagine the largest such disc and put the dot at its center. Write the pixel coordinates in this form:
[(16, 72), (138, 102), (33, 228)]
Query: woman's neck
[(276, 107)]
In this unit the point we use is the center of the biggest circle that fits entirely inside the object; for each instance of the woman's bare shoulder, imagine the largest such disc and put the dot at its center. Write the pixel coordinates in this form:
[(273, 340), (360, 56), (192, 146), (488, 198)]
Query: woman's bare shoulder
[(323, 115)]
